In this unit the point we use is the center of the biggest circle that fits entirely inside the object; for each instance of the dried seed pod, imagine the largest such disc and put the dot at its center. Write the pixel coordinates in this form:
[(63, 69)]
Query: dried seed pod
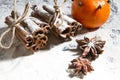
[(91, 47), (80, 65)]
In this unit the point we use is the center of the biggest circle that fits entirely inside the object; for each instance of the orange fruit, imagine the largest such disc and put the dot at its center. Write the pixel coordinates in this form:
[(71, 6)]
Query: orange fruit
[(90, 13)]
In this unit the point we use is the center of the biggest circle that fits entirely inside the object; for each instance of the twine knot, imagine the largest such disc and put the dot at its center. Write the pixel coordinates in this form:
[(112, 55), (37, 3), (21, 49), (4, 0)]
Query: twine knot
[(57, 18), (57, 8)]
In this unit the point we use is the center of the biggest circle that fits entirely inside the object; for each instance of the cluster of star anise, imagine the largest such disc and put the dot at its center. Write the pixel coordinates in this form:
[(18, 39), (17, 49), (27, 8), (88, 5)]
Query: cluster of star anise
[(90, 48)]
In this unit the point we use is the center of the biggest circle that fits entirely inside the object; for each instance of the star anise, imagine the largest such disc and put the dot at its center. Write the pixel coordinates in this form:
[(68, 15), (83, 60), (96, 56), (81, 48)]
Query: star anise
[(91, 47), (80, 65)]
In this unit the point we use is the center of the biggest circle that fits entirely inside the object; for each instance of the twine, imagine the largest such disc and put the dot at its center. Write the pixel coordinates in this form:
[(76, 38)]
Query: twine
[(14, 25), (58, 15)]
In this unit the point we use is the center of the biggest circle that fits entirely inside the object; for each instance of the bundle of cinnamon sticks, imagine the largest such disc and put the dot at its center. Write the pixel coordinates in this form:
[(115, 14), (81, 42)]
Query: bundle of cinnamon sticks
[(32, 31), (69, 27)]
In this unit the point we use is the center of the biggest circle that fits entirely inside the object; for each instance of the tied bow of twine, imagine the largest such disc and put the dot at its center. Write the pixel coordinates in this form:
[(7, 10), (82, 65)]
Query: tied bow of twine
[(57, 18), (13, 26)]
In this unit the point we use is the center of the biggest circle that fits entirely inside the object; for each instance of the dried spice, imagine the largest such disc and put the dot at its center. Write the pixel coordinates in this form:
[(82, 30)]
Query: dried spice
[(21, 33), (70, 29), (80, 65), (61, 25), (14, 26), (91, 47), (34, 39), (31, 32)]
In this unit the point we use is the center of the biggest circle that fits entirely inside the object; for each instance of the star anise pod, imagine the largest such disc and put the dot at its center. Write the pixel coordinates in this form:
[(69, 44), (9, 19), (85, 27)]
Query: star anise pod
[(80, 65), (91, 47)]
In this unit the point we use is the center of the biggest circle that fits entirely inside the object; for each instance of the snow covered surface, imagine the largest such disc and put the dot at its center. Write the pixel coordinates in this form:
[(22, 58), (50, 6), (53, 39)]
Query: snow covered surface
[(17, 63)]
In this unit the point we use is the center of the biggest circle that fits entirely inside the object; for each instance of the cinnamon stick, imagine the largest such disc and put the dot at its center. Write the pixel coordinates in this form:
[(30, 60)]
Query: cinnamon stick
[(42, 16), (45, 26), (40, 13), (26, 44), (34, 28), (24, 34), (34, 48)]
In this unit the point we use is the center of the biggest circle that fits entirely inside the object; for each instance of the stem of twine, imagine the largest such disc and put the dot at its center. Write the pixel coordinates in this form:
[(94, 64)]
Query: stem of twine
[(14, 25)]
